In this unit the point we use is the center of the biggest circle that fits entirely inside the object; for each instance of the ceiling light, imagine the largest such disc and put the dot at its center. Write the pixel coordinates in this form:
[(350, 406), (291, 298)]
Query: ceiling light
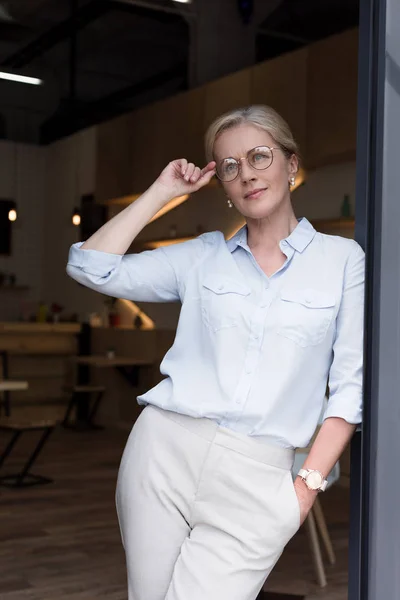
[(12, 215), (183, 1), (76, 217), (20, 78)]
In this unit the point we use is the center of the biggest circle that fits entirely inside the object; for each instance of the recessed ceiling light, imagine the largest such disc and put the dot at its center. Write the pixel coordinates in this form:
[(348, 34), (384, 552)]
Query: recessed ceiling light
[(20, 78), (183, 1)]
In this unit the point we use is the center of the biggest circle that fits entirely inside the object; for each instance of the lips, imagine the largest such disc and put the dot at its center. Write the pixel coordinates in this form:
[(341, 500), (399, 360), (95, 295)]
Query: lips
[(254, 193)]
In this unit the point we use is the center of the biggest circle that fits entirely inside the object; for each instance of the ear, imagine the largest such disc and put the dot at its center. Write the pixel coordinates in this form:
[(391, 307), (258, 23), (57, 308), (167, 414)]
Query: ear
[(293, 165)]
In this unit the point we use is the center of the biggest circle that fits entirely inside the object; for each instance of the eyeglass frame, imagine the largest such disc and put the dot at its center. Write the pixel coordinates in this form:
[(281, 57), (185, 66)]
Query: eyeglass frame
[(239, 161)]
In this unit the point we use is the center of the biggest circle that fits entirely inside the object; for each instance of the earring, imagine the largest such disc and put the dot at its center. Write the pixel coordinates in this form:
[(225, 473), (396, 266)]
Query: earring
[(229, 201), (292, 180)]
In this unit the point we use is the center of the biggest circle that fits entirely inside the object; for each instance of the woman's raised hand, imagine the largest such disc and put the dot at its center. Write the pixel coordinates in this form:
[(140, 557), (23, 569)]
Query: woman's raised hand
[(180, 177)]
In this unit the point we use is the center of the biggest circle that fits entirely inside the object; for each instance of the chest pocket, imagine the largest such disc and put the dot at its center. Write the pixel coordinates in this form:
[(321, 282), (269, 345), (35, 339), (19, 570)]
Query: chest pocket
[(222, 302), (305, 315)]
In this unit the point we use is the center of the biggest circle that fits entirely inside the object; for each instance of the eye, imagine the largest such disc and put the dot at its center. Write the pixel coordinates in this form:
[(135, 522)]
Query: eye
[(229, 166), (260, 157)]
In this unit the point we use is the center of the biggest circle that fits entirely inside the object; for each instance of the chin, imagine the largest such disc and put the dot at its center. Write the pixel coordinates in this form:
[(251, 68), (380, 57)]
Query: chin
[(256, 210)]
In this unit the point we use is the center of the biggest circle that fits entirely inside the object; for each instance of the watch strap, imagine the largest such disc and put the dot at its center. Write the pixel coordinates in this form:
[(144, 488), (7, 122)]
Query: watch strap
[(303, 474)]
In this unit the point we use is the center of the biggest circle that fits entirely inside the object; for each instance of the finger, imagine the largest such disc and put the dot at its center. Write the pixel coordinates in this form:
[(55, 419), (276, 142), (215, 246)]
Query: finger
[(189, 171), (210, 167), (196, 175), (183, 164), (205, 179)]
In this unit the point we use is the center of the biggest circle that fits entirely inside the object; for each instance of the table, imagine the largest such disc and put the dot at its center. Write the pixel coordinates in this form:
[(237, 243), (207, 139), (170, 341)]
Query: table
[(128, 366), (101, 361), (7, 386)]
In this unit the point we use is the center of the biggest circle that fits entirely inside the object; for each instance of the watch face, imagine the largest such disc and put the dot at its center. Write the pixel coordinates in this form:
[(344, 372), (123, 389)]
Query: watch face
[(314, 480)]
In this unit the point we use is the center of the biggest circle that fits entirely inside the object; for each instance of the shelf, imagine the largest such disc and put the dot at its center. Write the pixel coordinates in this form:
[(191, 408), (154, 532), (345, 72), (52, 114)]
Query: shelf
[(18, 327), (326, 225)]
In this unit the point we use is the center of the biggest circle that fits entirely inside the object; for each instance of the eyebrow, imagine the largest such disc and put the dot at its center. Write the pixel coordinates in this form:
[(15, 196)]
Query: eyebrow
[(252, 148)]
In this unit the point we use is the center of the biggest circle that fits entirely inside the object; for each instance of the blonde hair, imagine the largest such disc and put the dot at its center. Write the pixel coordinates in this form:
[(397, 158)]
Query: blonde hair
[(261, 116)]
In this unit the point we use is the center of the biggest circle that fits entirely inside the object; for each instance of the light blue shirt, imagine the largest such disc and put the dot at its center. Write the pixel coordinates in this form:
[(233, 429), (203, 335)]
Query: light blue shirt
[(252, 352)]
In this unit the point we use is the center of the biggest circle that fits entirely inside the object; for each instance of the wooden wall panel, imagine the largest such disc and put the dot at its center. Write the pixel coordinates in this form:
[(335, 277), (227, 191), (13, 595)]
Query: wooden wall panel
[(282, 84), (226, 94), (315, 90), (163, 132), (146, 143), (180, 127), (332, 99), (114, 158)]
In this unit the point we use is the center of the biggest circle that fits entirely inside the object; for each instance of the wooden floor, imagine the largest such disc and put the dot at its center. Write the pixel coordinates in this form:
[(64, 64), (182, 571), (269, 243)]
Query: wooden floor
[(61, 541)]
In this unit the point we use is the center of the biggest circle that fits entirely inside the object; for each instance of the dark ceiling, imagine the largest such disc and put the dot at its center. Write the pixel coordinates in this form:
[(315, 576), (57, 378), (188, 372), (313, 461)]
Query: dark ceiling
[(114, 55)]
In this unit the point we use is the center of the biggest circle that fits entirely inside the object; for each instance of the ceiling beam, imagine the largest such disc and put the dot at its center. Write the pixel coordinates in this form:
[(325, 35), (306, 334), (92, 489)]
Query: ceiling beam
[(166, 7), (85, 15)]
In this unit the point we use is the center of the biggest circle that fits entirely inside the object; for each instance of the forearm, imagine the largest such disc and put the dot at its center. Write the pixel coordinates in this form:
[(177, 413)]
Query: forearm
[(332, 439), (117, 235)]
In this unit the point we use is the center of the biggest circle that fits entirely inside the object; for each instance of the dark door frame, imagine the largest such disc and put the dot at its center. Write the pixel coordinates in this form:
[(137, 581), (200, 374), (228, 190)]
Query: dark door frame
[(374, 553)]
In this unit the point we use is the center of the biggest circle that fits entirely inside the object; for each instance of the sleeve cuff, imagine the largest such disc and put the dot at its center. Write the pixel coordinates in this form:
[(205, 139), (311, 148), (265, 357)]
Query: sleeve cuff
[(344, 410), (93, 262)]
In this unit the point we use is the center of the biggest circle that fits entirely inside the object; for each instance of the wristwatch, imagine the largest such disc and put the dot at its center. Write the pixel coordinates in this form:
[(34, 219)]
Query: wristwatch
[(313, 479)]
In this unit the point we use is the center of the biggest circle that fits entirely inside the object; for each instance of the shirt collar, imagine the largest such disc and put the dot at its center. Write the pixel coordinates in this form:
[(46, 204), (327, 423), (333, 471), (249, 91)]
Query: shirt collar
[(299, 239)]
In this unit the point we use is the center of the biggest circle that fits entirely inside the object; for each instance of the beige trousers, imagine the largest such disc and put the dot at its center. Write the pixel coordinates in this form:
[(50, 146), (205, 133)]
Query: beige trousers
[(204, 512)]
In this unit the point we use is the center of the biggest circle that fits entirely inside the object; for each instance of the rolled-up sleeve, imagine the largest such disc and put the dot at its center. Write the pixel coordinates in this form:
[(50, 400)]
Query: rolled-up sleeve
[(149, 276), (346, 372)]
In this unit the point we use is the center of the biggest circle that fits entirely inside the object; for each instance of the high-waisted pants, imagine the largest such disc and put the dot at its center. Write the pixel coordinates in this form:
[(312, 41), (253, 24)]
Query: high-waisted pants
[(204, 512)]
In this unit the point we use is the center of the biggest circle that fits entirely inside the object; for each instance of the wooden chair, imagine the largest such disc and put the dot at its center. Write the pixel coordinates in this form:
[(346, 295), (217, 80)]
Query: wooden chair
[(24, 477), (7, 385)]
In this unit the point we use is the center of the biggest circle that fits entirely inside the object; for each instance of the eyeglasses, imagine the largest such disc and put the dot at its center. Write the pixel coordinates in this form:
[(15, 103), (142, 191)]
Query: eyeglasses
[(259, 158)]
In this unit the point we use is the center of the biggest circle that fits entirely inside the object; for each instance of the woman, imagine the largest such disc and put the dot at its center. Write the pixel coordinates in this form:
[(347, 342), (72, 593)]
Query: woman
[(205, 496)]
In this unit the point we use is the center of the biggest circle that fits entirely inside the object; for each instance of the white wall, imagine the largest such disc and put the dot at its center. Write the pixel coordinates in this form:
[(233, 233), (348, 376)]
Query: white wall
[(70, 173), (22, 176)]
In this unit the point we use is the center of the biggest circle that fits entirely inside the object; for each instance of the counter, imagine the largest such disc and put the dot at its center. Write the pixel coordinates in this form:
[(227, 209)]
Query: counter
[(38, 353)]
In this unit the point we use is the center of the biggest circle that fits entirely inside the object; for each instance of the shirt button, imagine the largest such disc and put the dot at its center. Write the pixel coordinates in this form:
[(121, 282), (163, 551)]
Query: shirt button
[(308, 301), (220, 287)]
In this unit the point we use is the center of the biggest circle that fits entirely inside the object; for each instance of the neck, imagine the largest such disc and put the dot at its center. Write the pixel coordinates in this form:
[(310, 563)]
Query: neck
[(266, 233)]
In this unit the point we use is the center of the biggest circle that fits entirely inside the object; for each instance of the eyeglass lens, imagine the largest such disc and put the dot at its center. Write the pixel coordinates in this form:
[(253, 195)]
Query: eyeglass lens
[(259, 158)]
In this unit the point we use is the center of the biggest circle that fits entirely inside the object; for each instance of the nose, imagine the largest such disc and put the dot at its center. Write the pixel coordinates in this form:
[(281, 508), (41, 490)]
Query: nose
[(246, 172)]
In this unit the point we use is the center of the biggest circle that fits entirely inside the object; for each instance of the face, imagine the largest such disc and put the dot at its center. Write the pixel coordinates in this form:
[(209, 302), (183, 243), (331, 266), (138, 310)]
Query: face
[(255, 193)]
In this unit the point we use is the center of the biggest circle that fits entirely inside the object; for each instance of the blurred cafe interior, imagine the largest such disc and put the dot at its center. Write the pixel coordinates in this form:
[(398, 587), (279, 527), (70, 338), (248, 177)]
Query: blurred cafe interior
[(116, 90)]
